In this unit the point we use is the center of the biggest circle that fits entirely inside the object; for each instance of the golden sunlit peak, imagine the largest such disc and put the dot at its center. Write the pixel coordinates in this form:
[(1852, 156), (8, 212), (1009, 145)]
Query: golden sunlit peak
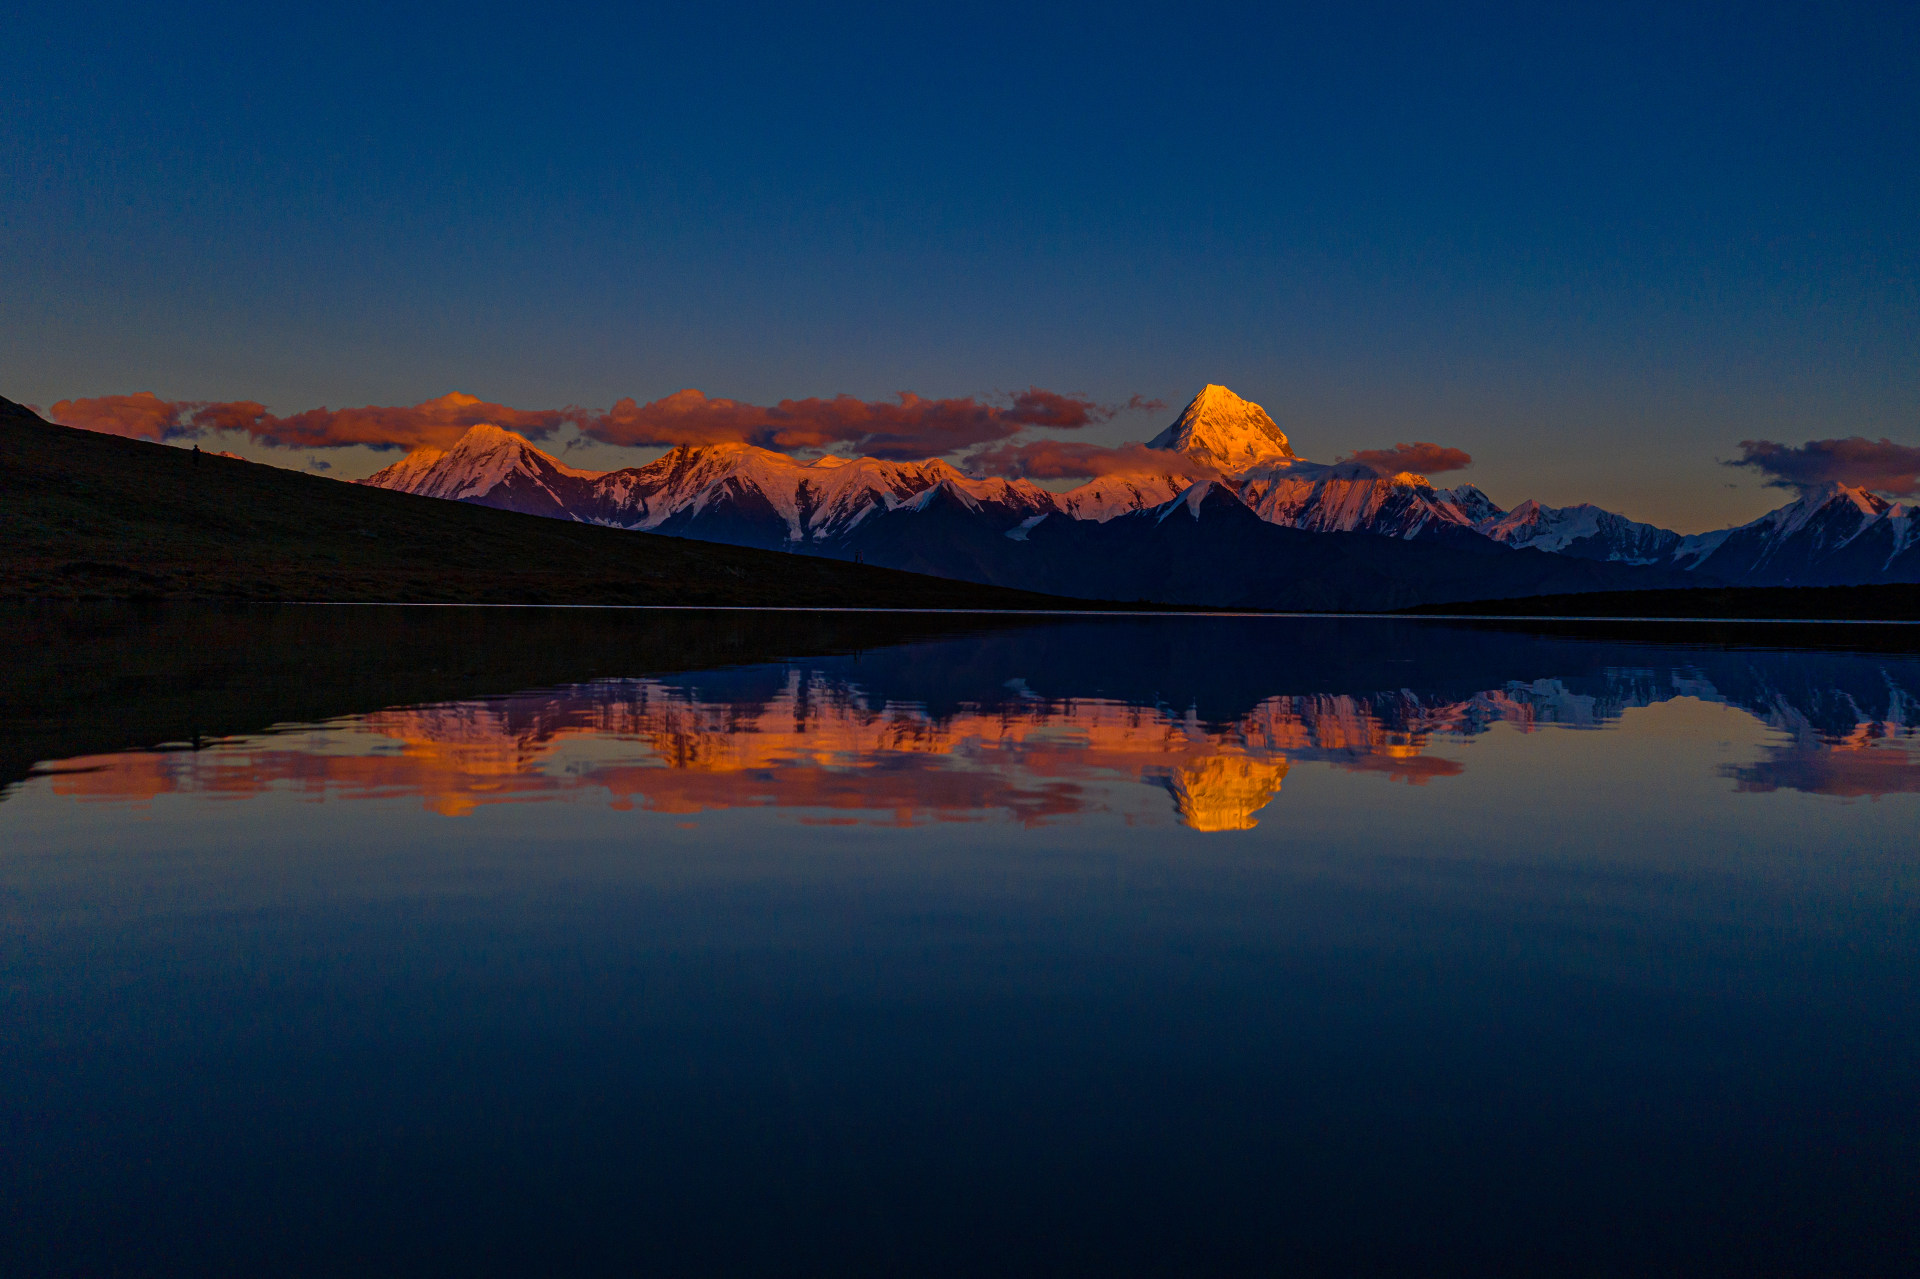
[(1218, 428)]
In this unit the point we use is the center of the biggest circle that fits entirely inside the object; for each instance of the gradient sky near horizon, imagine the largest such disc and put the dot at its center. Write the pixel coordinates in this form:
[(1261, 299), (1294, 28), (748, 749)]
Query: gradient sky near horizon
[(1595, 246)]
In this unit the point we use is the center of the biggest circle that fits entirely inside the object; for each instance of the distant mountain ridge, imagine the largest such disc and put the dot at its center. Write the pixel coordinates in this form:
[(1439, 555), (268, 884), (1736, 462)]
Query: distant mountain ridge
[(723, 492), (933, 517), (1836, 535), (91, 515)]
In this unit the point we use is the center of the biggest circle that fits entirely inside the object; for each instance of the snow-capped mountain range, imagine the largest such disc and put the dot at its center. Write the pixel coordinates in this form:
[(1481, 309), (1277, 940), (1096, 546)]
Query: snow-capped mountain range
[(1222, 452), (764, 496)]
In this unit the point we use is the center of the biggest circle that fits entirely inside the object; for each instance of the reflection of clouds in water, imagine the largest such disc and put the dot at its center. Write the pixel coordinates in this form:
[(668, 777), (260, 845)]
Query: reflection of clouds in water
[(822, 743)]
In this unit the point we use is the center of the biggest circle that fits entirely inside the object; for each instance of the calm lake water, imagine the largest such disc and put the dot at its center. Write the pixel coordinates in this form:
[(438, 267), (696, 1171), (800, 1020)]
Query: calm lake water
[(455, 941)]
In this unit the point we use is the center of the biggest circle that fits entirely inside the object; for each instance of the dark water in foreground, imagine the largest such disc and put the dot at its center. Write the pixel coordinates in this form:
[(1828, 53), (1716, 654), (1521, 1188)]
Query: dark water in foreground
[(725, 945)]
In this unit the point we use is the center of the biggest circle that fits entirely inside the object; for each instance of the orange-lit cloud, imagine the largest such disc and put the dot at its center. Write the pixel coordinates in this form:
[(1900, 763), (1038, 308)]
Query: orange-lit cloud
[(1876, 464), (141, 416), (1070, 460), (904, 428), (1424, 459), (439, 423), (1036, 407)]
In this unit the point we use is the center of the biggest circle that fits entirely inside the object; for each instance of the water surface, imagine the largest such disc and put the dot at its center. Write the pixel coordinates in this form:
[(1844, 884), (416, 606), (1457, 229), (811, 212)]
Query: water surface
[(709, 944)]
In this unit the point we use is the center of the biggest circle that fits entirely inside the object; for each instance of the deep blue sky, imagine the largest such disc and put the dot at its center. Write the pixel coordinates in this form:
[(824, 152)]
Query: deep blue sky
[(1595, 246)]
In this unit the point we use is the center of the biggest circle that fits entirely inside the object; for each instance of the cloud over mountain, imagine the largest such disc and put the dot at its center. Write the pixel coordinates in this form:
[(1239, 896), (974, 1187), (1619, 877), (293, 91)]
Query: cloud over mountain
[(907, 427), (1880, 464), (1424, 459), (141, 416), (438, 423)]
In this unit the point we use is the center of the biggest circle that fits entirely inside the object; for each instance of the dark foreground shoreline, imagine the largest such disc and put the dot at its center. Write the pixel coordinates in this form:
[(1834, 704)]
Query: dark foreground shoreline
[(1899, 602), (92, 678)]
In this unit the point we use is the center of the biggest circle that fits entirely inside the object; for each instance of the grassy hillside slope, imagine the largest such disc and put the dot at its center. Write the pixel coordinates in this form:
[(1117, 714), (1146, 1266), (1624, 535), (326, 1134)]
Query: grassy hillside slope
[(91, 516)]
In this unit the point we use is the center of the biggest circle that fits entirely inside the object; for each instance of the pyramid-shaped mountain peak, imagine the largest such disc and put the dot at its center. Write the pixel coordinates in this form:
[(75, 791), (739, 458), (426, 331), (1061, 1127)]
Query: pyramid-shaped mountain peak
[(485, 455), (1220, 429), (485, 435)]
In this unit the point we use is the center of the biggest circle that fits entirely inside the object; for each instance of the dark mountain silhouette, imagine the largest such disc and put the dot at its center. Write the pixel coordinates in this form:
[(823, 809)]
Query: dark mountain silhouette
[(1209, 547)]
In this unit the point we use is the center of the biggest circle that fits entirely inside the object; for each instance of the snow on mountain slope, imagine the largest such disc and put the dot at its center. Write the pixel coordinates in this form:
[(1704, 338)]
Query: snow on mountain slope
[(737, 492), (1695, 547), (815, 501), (1349, 498), (1583, 531), (494, 468), (1220, 445), (763, 495), (1197, 500), (944, 491), (1471, 502), (1219, 429), (1836, 505), (1108, 496), (409, 473), (1903, 528), (1832, 535), (1236, 438)]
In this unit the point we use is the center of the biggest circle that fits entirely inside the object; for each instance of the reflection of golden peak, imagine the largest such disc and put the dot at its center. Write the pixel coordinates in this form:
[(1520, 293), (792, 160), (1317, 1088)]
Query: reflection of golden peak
[(1223, 792), (812, 743)]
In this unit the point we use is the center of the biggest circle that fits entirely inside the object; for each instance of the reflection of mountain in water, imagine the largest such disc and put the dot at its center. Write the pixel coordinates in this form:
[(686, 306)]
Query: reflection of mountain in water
[(1223, 792), (1057, 720)]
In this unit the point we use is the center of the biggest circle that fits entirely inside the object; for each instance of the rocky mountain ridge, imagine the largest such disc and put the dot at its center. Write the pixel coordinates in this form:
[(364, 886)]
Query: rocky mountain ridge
[(884, 510)]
